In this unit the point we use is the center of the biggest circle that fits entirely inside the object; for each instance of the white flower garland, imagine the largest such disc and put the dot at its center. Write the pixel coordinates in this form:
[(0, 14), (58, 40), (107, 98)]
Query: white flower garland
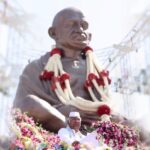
[(96, 78)]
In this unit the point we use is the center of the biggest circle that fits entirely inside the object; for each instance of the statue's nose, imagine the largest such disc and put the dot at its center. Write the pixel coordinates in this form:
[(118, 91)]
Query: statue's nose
[(79, 28)]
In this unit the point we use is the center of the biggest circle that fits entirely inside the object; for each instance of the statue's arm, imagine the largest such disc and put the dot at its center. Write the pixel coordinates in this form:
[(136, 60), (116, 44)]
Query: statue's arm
[(32, 96), (30, 84)]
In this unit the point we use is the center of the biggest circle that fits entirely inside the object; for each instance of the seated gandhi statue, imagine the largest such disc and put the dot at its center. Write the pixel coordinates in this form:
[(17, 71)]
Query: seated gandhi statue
[(68, 78)]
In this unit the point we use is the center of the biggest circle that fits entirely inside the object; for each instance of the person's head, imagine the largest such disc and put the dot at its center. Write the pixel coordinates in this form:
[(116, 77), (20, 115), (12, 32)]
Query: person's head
[(70, 29), (74, 121)]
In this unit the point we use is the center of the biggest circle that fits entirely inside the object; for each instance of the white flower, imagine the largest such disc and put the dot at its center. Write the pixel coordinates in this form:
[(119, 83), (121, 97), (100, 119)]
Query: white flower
[(105, 117), (104, 147)]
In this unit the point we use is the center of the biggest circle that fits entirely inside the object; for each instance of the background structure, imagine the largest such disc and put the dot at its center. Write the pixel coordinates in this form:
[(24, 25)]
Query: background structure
[(123, 27)]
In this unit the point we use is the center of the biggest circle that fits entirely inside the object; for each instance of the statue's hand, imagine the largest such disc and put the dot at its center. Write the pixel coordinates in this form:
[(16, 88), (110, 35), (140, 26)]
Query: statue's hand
[(66, 109), (119, 119), (89, 117)]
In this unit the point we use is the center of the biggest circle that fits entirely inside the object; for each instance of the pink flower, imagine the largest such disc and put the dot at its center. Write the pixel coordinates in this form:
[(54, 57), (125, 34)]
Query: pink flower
[(18, 143), (26, 132), (116, 135)]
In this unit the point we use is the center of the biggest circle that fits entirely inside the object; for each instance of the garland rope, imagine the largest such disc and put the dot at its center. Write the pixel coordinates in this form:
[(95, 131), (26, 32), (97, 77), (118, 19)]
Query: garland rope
[(96, 78)]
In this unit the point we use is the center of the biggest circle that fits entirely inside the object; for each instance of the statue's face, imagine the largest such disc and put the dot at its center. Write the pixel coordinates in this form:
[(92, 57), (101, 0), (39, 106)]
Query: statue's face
[(72, 30)]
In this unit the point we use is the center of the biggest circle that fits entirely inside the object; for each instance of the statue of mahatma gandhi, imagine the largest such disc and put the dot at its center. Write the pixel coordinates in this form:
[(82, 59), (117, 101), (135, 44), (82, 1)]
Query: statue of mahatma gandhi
[(63, 80), (65, 73)]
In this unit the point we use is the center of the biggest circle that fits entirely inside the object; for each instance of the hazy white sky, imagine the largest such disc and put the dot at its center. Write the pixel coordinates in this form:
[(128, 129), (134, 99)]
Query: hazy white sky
[(110, 20)]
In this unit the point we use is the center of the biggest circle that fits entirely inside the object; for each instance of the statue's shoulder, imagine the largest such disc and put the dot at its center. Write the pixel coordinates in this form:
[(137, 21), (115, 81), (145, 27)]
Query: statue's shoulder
[(37, 64)]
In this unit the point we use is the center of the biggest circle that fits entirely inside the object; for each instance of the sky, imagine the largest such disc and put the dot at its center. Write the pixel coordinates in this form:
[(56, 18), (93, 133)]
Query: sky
[(109, 20)]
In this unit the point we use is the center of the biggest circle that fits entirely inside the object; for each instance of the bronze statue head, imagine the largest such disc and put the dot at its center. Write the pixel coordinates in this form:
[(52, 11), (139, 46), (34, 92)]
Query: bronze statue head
[(70, 29)]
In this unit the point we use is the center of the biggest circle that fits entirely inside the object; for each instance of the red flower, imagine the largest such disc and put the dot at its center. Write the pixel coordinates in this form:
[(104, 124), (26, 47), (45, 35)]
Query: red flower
[(53, 82), (46, 75), (87, 48), (100, 82), (87, 84), (103, 109), (55, 51), (104, 73), (63, 85), (64, 77), (76, 145), (92, 76)]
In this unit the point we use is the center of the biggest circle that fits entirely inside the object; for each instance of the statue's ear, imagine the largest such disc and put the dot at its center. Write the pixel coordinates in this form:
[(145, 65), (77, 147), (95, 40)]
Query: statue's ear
[(51, 32)]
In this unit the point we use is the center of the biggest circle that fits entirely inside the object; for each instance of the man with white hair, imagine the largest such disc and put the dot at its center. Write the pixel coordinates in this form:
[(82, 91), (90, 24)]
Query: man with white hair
[(71, 134)]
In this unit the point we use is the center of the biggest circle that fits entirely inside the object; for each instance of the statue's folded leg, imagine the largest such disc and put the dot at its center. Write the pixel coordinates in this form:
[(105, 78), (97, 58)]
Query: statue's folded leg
[(50, 118)]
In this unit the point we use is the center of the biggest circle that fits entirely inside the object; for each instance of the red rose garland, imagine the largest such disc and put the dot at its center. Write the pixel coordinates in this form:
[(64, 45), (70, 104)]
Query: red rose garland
[(103, 110), (56, 51), (47, 75), (60, 84)]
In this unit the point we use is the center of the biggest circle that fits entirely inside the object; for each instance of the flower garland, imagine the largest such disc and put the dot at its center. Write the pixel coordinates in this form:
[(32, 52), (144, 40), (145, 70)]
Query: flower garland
[(29, 135), (96, 78), (116, 135)]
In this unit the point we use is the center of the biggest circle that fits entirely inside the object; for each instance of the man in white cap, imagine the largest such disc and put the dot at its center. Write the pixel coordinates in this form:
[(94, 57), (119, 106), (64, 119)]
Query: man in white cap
[(71, 134)]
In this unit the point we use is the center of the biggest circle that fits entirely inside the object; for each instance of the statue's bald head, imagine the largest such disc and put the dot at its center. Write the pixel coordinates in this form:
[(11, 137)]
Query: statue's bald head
[(70, 29), (64, 13)]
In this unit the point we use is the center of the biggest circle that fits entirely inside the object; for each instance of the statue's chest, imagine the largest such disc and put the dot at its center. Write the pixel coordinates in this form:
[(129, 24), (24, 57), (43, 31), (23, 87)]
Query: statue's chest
[(77, 71)]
